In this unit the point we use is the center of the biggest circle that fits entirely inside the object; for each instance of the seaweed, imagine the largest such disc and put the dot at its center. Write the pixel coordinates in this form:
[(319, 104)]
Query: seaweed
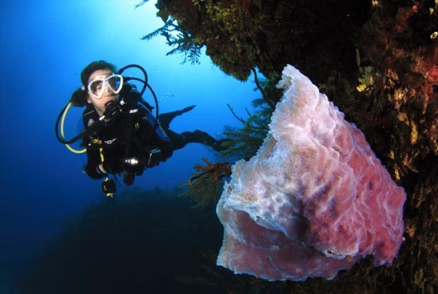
[(205, 187), (183, 41), (245, 141)]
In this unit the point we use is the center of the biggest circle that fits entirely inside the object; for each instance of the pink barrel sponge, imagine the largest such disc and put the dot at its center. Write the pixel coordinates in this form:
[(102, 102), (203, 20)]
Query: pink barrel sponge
[(314, 199)]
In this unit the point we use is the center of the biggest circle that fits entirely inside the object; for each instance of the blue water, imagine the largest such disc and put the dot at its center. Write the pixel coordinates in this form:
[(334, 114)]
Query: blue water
[(44, 46)]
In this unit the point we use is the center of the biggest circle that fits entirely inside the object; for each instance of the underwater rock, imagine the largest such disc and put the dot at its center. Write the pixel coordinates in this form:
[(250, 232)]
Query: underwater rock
[(314, 199)]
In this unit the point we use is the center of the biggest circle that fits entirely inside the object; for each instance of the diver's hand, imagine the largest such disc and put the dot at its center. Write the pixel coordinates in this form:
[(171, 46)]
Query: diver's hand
[(109, 167), (101, 169)]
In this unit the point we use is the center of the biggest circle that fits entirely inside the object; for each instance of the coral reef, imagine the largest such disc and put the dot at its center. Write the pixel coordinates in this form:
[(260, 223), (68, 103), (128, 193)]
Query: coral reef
[(399, 42), (406, 55), (333, 43), (241, 35)]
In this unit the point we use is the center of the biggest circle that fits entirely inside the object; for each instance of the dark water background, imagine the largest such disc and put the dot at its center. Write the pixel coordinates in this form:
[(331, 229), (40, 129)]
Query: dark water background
[(44, 46)]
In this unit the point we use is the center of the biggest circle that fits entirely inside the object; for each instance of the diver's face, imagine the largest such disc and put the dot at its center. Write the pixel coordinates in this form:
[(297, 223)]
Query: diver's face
[(107, 95)]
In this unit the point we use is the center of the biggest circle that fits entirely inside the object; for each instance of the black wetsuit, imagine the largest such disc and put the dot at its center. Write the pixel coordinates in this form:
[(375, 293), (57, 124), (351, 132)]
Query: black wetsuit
[(128, 135), (131, 134)]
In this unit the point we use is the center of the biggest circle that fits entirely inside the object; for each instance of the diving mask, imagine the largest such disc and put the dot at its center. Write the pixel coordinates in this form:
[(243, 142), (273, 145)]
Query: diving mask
[(98, 85)]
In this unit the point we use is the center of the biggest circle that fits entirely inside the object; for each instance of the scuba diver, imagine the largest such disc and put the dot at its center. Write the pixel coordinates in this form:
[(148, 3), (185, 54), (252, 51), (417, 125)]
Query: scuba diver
[(121, 135)]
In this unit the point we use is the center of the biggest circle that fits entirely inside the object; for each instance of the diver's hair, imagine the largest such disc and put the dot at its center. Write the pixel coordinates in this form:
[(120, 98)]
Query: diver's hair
[(92, 67), (79, 97)]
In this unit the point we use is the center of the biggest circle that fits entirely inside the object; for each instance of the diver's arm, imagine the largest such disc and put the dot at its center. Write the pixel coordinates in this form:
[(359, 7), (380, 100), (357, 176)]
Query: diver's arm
[(94, 168)]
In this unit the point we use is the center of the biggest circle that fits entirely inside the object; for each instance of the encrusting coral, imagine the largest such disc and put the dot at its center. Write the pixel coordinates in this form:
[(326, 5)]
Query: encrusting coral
[(240, 35)]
